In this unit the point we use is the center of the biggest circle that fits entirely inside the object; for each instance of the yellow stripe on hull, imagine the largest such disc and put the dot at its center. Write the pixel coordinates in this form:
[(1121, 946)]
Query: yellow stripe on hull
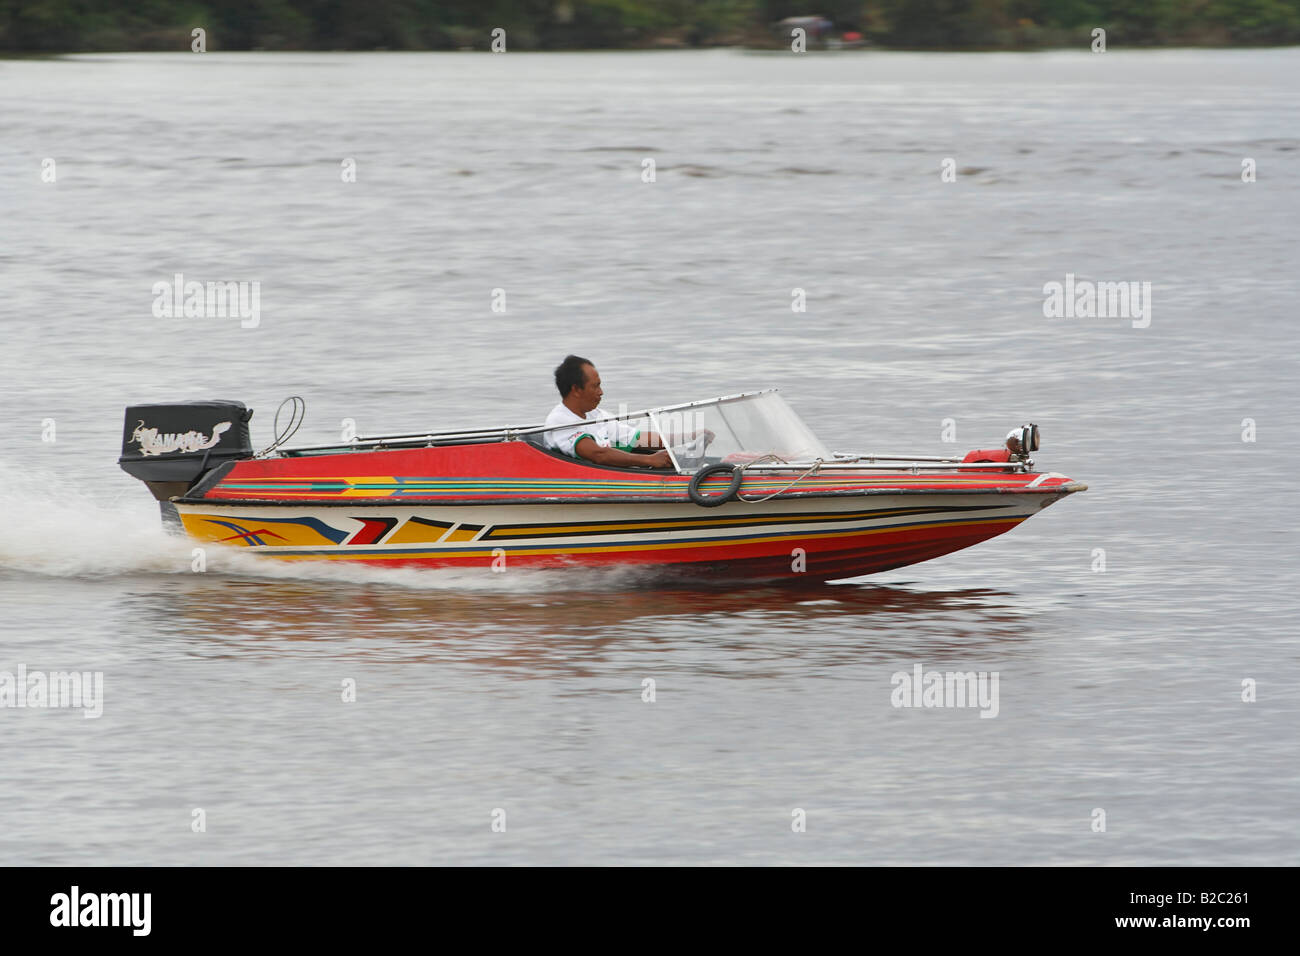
[(358, 554)]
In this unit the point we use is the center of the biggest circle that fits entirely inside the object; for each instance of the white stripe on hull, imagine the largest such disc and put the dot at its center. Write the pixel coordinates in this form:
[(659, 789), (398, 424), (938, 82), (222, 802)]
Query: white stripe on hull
[(346, 518)]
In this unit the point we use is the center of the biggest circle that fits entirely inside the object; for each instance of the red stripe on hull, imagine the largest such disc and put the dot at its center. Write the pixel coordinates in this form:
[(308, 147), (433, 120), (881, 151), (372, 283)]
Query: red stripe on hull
[(826, 558), (503, 471)]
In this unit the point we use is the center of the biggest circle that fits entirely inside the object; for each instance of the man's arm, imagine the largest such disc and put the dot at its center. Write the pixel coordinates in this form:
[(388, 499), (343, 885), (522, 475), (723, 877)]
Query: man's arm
[(600, 455), (650, 439)]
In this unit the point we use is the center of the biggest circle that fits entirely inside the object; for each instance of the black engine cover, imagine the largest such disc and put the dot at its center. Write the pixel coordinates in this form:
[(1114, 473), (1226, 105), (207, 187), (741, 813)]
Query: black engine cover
[(179, 441)]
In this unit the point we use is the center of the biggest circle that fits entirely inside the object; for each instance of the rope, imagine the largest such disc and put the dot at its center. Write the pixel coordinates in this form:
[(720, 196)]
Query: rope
[(816, 465)]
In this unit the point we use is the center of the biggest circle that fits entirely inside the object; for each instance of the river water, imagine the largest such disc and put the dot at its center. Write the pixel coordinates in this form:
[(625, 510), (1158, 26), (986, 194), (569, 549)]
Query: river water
[(1121, 623)]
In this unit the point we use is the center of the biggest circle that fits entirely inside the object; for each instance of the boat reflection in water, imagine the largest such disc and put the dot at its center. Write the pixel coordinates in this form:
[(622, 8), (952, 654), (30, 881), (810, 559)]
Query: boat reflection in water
[(538, 629)]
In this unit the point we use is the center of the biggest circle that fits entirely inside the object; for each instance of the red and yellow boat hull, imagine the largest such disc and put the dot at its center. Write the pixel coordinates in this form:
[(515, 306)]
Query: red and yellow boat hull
[(508, 504)]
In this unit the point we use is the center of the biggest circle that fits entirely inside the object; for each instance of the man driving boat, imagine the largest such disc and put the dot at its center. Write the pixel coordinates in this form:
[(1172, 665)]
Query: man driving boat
[(601, 442)]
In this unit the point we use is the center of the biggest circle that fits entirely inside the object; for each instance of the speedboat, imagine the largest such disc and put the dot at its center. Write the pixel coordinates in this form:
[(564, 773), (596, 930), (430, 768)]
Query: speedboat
[(752, 494)]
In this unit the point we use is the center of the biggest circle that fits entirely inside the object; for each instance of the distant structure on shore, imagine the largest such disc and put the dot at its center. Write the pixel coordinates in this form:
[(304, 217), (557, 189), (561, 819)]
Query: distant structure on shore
[(819, 33)]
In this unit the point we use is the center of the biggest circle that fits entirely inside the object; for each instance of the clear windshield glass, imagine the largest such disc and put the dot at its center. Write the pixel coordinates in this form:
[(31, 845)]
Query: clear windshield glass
[(743, 429)]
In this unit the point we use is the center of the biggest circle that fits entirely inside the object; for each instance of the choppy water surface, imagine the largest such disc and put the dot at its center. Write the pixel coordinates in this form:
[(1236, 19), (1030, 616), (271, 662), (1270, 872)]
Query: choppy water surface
[(1118, 690)]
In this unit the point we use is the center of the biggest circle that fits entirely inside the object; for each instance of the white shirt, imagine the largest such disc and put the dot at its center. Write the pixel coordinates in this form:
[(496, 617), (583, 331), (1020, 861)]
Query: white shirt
[(606, 434)]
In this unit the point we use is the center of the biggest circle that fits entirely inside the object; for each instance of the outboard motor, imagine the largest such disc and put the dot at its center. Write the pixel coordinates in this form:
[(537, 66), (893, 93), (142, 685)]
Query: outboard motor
[(170, 447)]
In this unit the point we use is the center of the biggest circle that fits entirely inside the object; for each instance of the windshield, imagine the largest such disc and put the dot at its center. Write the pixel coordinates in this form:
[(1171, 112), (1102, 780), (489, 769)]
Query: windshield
[(744, 429)]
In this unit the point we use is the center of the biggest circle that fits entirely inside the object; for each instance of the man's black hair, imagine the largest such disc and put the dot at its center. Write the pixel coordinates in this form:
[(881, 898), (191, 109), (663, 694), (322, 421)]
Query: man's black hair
[(569, 374)]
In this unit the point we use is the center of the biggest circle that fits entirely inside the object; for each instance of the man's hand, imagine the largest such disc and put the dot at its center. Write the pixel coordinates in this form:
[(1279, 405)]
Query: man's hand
[(659, 459)]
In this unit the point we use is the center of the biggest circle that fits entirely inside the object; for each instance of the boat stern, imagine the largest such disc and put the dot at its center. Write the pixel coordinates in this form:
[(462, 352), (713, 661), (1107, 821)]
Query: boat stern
[(172, 447)]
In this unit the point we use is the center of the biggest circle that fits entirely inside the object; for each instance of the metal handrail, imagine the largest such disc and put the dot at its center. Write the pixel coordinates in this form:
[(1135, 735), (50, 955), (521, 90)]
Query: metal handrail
[(873, 457), (915, 464), (512, 432)]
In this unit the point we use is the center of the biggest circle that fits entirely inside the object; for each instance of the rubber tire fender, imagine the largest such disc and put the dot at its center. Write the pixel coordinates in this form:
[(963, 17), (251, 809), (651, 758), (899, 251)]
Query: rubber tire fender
[(712, 501)]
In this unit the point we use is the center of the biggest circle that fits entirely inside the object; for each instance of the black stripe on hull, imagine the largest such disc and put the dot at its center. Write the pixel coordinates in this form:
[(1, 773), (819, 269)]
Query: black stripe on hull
[(444, 525), (480, 546), (630, 525)]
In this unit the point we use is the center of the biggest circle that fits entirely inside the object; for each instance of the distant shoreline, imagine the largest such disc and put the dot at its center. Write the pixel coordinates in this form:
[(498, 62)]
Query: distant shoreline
[(740, 48), (919, 26)]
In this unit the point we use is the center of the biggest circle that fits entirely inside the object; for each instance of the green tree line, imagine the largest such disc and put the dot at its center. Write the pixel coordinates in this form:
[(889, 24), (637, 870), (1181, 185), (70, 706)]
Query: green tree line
[(49, 26)]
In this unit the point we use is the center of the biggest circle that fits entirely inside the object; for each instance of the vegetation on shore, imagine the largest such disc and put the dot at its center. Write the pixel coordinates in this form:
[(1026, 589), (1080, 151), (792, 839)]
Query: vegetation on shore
[(50, 26)]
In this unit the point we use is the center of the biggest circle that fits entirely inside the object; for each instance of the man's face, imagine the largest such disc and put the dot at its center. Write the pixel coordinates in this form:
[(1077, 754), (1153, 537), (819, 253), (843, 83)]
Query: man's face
[(590, 393)]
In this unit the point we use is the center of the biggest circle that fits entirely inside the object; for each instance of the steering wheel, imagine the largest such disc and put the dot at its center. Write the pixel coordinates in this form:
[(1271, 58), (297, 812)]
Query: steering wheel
[(687, 447)]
